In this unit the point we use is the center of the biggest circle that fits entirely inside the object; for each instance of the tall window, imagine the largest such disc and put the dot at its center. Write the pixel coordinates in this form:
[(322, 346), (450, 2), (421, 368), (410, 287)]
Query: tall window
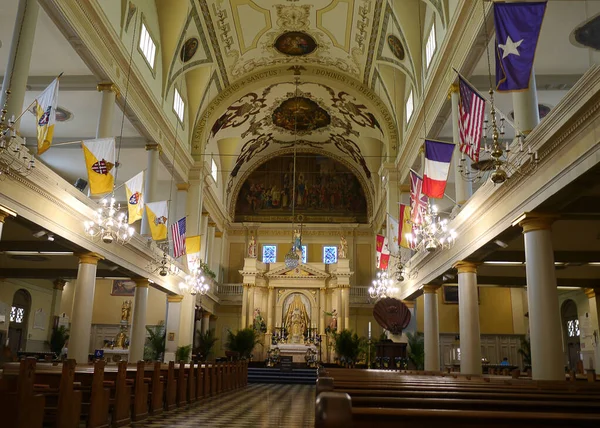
[(329, 255), (147, 46), (178, 105), (409, 106), (573, 328), (269, 253), (430, 46), (304, 252), (17, 314), (213, 169)]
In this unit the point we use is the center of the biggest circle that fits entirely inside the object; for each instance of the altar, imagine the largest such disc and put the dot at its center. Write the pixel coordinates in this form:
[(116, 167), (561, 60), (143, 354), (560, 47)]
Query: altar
[(297, 352)]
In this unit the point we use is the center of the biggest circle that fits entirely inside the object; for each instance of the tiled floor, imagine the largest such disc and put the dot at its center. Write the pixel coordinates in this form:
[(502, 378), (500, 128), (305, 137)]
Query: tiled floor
[(256, 406)]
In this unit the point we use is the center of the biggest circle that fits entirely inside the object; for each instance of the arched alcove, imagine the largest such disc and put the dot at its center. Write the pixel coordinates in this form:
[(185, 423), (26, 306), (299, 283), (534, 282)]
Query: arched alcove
[(570, 323), (19, 316)]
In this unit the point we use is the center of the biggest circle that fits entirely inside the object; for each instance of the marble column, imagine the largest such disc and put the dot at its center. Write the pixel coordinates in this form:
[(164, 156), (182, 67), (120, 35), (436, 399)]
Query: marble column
[(204, 236), (432, 328), (547, 360), (83, 303), (194, 208), (468, 313), (138, 326), (270, 310), (594, 314), (186, 320), (205, 322), (3, 217), (57, 291), (244, 318), (19, 57), (150, 182), (463, 189), (210, 243), (107, 109), (251, 305), (181, 204), (340, 310), (525, 107), (217, 254), (172, 326), (346, 303), (322, 309)]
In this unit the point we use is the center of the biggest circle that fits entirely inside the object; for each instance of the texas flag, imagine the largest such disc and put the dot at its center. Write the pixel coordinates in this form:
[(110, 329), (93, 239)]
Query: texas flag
[(437, 165), (383, 253)]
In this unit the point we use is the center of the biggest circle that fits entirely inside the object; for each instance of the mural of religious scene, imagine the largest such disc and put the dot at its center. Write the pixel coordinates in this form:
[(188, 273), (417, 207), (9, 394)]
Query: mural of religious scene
[(325, 191), (300, 114), (295, 43)]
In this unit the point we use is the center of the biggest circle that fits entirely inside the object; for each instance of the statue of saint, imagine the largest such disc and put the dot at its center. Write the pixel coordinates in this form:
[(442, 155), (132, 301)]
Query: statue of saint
[(259, 322), (121, 339), (296, 320), (126, 311), (297, 240), (343, 248), (252, 247), (333, 321)]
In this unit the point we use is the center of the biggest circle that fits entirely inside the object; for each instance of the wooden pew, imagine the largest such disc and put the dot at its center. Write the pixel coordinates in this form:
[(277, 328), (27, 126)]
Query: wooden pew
[(171, 389), (213, 379), (181, 385), (121, 396), (156, 394), (207, 382), (139, 399), (20, 406), (199, 382), (96, 397), (191, 384)]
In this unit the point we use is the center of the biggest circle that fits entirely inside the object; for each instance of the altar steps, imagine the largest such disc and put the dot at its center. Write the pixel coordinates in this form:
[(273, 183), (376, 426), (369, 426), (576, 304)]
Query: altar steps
[(275, 375)]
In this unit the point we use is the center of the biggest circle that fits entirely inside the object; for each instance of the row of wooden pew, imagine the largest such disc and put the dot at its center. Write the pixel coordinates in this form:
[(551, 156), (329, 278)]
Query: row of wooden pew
[(361, 398), (44, 394)]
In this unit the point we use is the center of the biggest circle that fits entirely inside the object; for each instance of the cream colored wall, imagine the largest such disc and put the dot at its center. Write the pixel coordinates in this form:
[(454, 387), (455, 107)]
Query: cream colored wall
[(228, 318), (495, 312), (359, 322)]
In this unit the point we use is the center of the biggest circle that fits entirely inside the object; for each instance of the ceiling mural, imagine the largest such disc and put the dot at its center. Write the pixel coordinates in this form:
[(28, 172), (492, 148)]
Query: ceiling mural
[(295, 43), (300, 114)]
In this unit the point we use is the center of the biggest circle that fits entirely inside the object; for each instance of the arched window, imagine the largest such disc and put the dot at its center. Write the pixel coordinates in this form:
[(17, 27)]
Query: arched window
[(570, 323), (19, 315)]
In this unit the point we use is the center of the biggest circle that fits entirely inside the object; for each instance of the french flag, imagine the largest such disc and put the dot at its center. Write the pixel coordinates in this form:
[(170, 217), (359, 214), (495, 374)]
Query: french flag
[(437, 166)]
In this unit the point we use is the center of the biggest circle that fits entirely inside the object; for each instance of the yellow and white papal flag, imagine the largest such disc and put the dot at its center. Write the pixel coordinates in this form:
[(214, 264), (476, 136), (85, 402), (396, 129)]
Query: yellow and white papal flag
[(135, 200), (100, 157), (45, 112), (157, 214), (192, 248)]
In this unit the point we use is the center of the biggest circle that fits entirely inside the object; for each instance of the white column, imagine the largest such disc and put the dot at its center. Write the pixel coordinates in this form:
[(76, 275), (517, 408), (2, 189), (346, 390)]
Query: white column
[(547, 360), (322, 309), (83, 303), (244, 305), (251, 305), (468, 313), (432, 328), (19, 57), (57, 291), (138, 327), (107, 109), (340, 309), (150, 182), (463, 188), (205, 322), (204, 233), (217, 253), (186, 320), (172, 326), (3, 217), (525, 107), (593, 295), (181, 204), (194, 208), (210, 243), (270, 310), (346, 303)]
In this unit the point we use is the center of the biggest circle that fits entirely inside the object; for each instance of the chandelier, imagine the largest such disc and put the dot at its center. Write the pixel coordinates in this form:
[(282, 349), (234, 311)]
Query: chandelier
[(195, 283), (14, 156), (164, 265), (432, 233), (381, 286), (109, 224)]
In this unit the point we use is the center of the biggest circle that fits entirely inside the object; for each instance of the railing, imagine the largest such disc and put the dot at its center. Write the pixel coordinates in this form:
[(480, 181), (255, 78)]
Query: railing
[(359, 291), (229, 289)]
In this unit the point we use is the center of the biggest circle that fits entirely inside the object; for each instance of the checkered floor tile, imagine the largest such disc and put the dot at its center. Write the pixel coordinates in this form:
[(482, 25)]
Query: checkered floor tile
[(256, 406)]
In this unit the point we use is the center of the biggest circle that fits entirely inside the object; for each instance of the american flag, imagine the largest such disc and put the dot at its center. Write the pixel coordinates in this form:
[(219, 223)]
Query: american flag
[(471, 108), (178, 235), (418, 201)]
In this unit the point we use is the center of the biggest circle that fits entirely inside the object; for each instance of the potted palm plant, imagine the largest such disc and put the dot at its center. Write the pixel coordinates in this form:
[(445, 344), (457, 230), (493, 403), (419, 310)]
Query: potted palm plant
[(206, 342), (349, 347), (241, 344), (416, 351), (59, 337), (155, 343)]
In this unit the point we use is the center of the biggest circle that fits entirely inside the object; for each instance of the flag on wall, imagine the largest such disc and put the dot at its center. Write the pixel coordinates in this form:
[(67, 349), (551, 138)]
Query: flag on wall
[(157, 214), (383, 253), (45, 112), (99, 161), (392, 235), (405, 226), (178, 236), (437, 166), (518, 28), (192, 246), (135, 199), (471, 111), (418, 201)]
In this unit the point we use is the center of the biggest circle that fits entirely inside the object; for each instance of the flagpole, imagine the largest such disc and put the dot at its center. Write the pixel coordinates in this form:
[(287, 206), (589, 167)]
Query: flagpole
[(485, 97), (30, 105)]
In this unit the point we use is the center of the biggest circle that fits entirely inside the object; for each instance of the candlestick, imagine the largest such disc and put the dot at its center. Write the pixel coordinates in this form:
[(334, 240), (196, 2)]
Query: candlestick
[(369, 329)]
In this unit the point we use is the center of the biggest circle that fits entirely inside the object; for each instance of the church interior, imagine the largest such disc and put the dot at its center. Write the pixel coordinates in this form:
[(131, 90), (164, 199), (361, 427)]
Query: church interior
[(299, 213)]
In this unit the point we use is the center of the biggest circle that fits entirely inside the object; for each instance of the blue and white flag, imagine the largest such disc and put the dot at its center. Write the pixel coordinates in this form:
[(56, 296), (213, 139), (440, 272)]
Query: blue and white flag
[(518, 28)]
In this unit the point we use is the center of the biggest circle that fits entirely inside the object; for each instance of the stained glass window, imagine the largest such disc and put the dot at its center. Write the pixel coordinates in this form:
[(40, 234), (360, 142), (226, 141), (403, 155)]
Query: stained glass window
[(269, 253), (573, 328), (329, 255), (17, 314), (304, 254)]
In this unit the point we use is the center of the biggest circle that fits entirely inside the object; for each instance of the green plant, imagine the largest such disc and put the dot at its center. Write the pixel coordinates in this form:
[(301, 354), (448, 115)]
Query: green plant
[(242, 342), (525, 351), (206, 341), (58, 338), (416, 352), (183, 353), (206, 270), (155, 342), (349, 347)]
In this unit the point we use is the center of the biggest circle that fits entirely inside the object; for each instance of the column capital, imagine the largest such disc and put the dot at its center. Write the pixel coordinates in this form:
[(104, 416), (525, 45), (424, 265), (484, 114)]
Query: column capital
[(59, 284), (176, 298), (211, 223), (430, 289), (5, 213), (206, 314), (3, 216), (452, 90), (218, 234), (591, 292), (404, 188), (184, 187), (141, 282), (204, 214), (152, 146), (89, 258), (466, 267), (530, 221), (409, 303), (108, 86)]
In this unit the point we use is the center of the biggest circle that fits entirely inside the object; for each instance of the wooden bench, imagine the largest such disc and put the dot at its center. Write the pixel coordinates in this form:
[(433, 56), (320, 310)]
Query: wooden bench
[(20, 405)]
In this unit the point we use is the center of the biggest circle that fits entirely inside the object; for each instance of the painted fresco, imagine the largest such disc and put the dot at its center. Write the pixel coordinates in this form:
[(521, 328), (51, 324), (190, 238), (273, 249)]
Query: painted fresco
[(326, 191), (300, 114), (295, 43)]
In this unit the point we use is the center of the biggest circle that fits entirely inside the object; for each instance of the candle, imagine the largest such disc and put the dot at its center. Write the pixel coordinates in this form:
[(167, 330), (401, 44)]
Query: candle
[(369, 329)]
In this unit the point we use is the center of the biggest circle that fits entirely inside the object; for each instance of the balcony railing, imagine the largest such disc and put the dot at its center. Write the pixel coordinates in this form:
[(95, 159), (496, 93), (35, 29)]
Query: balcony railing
[(229, 289)]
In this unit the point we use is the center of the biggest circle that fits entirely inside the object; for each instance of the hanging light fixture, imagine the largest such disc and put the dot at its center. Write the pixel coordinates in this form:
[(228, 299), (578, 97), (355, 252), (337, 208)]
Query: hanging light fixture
[(432, 233), (195, 283), (109, 225), (14, 156), (164, 265), (381, 286)]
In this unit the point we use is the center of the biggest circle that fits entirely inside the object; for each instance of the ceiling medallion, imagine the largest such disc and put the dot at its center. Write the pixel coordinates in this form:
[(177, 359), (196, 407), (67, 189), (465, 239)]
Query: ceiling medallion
[(395, 46), (188, 49), (300, 114), (295, 43)]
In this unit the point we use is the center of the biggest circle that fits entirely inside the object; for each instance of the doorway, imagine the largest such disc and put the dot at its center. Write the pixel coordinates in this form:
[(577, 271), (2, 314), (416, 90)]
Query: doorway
[(571, 332), (19, 316)]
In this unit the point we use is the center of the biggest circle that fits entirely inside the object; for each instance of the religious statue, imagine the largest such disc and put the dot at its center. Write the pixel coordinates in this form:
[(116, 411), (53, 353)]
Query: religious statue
[(296, 320), (252, 248), (126, 308), (297, 240), (259, 324), (333, 322), (121, 339), (343, 248)]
